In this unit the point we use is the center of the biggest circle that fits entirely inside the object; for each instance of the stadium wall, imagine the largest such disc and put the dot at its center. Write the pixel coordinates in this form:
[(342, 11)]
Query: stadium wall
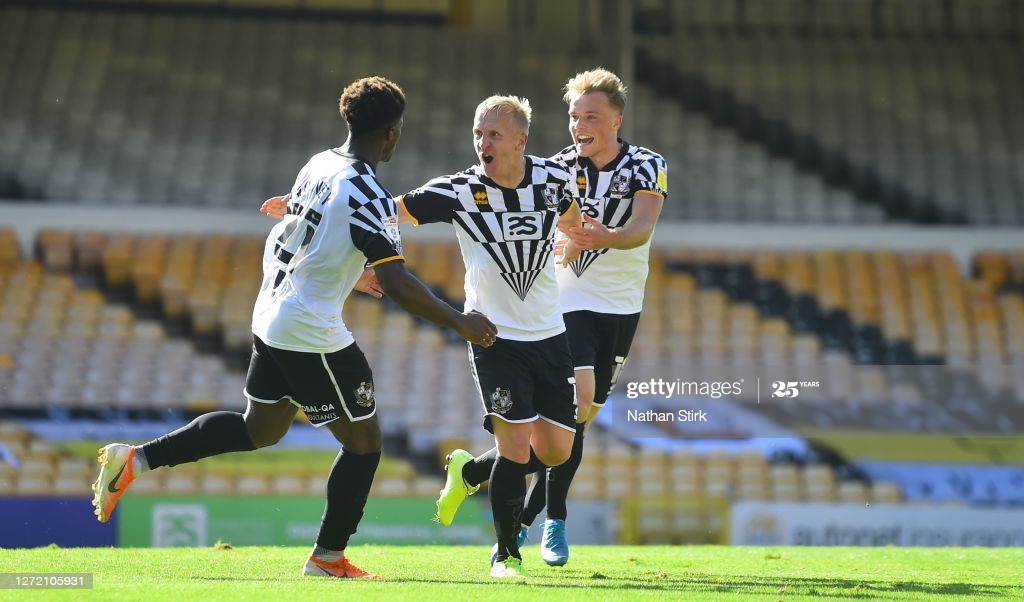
[(810, 524), (28, 219)]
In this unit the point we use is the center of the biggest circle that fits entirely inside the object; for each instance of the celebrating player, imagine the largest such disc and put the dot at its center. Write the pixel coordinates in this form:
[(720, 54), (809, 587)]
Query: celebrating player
[(505, 211), (621, 188), (339, 218)]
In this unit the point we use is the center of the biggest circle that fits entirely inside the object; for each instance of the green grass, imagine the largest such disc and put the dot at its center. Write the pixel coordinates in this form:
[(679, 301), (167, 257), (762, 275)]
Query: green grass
[(428, 573)]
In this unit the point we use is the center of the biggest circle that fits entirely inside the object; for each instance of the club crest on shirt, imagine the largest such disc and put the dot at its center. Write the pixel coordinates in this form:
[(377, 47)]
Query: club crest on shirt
[(551, 197), (501, 400), (364, 394), (620, 184)]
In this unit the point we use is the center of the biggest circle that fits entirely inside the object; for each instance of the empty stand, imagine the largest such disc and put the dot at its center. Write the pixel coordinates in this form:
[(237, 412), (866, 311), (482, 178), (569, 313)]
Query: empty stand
[(820, 112), (912, 125), (835, 306), (70, 346), (201, 110)]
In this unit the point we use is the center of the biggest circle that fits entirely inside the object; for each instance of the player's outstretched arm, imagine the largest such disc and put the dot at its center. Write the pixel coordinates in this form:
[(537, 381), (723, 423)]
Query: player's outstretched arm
[(403, 213), (566, 251), (369, 284), (571, 217), (275, 206), (594, 235), (414, 297)]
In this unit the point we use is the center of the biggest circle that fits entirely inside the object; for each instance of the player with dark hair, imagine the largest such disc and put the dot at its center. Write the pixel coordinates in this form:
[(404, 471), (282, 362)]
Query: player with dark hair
[(339, 219), (621, 188)]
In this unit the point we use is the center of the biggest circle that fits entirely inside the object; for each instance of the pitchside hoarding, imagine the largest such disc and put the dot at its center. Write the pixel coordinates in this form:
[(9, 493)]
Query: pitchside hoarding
[(31, 522), (833, 524), (287, 521)]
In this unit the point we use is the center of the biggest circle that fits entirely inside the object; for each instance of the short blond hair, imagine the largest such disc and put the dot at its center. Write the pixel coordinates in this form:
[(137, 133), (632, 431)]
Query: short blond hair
[(597, 80), (518, 107)]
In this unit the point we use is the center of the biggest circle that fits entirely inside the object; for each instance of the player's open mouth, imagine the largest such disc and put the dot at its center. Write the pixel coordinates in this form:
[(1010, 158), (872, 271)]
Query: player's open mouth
[(486, 158), (581, 140)]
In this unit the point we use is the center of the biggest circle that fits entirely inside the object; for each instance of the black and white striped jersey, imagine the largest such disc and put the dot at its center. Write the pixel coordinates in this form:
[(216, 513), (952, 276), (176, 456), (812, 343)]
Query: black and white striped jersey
[(339, 218), (610, 280), (507, 240)]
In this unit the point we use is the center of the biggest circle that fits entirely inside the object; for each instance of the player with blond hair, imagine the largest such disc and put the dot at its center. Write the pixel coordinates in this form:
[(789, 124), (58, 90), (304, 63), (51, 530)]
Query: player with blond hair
[(621, 188)]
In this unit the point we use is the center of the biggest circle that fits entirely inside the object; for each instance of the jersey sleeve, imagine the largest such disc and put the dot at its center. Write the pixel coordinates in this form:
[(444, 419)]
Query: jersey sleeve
[(651, 176), (568, 195), (374, 229), (435, 201)]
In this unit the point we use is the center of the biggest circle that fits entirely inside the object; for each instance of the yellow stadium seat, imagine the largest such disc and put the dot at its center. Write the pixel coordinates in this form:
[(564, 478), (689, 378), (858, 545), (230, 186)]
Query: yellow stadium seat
[(852, 491), (216, 484), (55, 249), (286, 484), (179, 482), (425, 486), (246, 485), (29, 485), (152, 483), (886, 492)]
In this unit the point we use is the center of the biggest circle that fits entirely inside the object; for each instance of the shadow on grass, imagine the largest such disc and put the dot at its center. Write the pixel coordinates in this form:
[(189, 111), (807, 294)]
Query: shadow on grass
[(697, 583), (701, 583)]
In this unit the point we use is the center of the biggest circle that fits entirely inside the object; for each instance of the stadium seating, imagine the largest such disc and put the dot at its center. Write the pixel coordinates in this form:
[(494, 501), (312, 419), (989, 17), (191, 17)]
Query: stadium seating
[(868, 307), (782, 121), (188, 109), (31, 466), (786, 111), (913, 126), (717, 307)]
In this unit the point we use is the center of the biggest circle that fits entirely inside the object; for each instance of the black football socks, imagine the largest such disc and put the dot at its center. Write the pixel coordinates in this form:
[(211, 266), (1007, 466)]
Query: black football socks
[(208, 435), (560, 478), (507, 491), (479, 470), (348, 486)]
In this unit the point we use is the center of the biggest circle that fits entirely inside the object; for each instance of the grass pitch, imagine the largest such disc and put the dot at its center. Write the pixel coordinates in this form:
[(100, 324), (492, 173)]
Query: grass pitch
[(427, 573)]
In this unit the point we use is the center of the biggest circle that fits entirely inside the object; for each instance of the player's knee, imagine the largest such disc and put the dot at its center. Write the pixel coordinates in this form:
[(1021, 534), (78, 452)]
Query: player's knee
[(364, 445), (363, 437), (554, 457), (265, 435), (554, 453), (267, 424)]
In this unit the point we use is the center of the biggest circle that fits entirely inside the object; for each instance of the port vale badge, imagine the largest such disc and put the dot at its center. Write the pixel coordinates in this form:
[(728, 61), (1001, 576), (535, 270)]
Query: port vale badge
[(364, 394), (551, 197), (620, 184), (501, 400)]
